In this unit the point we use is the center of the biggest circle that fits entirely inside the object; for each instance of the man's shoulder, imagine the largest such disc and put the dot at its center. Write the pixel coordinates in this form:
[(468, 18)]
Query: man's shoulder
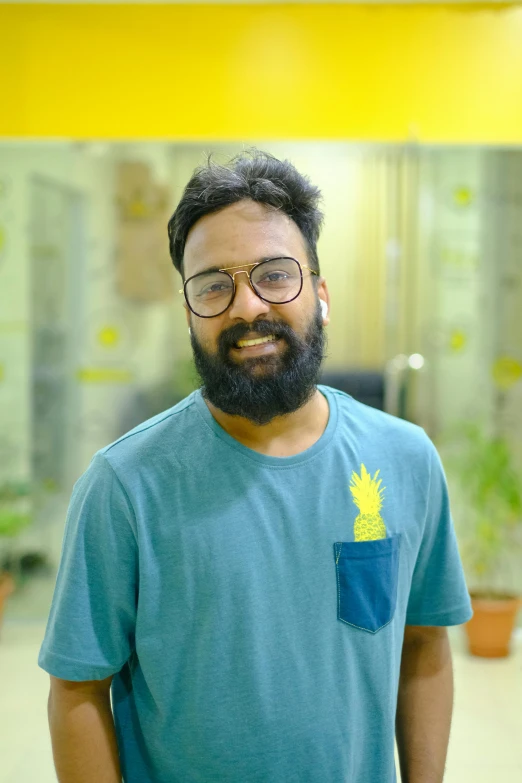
[(379, 428), (159, 434)]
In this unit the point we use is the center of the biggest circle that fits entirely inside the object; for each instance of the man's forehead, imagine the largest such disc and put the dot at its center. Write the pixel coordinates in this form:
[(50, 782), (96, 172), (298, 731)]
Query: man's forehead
[(242, 233)]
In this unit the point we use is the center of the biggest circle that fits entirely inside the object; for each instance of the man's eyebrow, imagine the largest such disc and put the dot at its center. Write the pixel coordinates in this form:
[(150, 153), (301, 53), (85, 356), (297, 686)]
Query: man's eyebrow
[(217, 268), (210, 269)]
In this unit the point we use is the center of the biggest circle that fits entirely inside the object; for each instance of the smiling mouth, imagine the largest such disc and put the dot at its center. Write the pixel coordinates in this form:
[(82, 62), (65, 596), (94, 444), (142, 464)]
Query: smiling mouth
[(258, 341)]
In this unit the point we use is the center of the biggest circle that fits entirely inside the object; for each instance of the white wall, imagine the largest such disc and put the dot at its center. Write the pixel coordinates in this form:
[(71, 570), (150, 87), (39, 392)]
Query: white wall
[(455, 286), (145, 330)]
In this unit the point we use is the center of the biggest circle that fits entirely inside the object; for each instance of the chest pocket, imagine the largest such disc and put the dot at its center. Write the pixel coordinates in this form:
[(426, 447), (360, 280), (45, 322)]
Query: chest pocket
[(367, 577)]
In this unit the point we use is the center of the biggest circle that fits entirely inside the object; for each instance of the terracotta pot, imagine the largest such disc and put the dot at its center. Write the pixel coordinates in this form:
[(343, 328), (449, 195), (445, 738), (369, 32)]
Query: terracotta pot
[(7, 586), (490, 629)]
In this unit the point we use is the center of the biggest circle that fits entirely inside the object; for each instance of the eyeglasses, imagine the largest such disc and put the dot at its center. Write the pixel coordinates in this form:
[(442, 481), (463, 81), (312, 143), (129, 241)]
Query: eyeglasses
[(274, 280)]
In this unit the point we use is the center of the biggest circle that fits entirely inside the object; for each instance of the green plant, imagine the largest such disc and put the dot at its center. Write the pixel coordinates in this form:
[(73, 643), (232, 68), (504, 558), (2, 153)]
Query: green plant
[(488, 507), (13, 503)]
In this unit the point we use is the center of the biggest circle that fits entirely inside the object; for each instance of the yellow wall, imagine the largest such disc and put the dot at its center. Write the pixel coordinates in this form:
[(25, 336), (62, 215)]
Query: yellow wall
[(437, 73)]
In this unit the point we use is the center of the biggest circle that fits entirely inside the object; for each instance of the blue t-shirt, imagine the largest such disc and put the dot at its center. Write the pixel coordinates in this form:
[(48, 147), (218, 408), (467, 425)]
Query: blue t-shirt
[(252, 608)]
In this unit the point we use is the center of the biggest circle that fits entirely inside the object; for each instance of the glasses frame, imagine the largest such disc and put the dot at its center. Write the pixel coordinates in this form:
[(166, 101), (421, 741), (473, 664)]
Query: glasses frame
[(249, 275)]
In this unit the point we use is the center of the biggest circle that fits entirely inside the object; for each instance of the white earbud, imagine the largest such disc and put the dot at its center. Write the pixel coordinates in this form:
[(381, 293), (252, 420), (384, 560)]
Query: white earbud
[(324, 308), (189, 331)]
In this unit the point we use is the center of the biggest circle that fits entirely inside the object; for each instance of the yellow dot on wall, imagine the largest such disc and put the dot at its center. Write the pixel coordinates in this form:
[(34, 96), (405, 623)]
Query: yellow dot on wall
[(2, 239), (458, 340), (463, 196), (138, 208), (104, 375), (109, 336), (506, 372)]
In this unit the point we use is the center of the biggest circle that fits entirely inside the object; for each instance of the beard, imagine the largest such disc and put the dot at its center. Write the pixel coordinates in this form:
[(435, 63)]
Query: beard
[(262, 387)]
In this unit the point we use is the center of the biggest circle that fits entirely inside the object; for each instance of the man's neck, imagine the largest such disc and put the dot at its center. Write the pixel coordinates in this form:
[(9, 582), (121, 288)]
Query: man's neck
[(284, 436)]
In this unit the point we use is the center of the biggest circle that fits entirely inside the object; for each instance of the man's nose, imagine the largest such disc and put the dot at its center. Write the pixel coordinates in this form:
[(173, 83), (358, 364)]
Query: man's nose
[(246, 305)]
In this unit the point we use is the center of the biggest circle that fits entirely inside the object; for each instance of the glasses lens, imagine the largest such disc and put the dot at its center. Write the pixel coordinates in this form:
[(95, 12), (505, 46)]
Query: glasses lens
[(277, 280), (209, 293)]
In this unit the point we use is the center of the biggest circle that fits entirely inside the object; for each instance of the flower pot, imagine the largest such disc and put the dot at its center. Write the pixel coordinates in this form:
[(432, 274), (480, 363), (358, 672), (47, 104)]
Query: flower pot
[(7, 586), (490, 629)]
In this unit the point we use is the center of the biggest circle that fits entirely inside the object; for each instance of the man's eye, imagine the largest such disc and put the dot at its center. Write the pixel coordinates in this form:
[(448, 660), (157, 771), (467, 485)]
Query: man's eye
[(274, 277), (214, 288)]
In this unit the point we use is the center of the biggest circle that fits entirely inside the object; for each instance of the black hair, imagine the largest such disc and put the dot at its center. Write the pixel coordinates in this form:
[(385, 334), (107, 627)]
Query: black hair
[(252, 175)]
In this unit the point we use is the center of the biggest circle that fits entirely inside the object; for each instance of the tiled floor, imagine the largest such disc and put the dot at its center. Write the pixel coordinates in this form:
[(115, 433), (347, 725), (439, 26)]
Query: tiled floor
[(486, 736)]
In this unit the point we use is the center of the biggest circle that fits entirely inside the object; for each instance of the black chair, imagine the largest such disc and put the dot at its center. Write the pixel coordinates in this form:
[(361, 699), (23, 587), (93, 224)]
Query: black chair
[(363, 385)]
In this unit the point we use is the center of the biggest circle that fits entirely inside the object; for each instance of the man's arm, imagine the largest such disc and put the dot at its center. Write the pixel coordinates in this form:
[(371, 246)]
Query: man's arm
[(82, 732), (424, 704)]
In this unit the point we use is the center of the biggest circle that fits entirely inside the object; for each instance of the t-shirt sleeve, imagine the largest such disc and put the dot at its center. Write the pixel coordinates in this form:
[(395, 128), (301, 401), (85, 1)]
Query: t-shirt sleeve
[(90, 629), (438, 592)]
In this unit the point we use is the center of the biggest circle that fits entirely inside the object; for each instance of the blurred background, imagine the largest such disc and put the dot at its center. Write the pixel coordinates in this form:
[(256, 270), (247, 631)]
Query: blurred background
[(408, 118)]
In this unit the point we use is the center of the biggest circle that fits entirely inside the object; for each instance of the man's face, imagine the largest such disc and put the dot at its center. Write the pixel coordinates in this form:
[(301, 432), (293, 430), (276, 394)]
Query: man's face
[(275, 378)]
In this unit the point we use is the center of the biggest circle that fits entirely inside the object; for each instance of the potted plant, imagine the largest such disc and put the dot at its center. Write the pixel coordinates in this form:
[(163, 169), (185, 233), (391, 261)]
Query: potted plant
[(13, 518), (488, 514)]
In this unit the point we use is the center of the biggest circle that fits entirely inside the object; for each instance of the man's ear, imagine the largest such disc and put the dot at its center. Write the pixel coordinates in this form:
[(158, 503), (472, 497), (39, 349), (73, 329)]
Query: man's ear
[(324, 296)]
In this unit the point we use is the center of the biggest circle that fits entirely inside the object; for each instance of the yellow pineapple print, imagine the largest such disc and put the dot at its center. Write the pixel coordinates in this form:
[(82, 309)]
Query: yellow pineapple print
[(369, 525)]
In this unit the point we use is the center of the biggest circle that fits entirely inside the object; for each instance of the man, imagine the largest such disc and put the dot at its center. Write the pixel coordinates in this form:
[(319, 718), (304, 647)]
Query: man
[(260, 576)]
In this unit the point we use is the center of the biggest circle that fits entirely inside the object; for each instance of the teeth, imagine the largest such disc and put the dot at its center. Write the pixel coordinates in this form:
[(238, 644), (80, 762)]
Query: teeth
[(245, 343)]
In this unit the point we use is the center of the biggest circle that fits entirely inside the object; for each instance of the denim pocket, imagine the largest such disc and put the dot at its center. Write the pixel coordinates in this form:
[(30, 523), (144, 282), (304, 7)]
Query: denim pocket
[(367, 577)]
